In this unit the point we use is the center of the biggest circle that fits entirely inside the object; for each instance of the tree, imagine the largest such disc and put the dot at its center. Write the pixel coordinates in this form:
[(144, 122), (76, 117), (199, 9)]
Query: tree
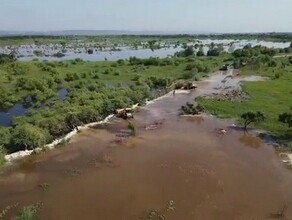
[(72, 120), (5, 136), (200, 53), (90, 51), (7, 58), (27, 136), (189, 51), (2, 155), (252, 117), (290, 60), (213, 52), (286, 118)]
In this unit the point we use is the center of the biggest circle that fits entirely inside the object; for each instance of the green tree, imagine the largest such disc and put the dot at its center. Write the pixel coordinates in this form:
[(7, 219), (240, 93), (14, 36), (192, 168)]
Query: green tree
[(72, 120), (7, 58), (90, 51), (27, 136), (189, 51), (5, 136), (2, 155), (213, 52), (200, 53), (252, 117)]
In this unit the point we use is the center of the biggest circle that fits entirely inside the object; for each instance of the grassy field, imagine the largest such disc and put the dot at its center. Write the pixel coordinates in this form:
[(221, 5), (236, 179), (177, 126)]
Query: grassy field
[(272, 97)]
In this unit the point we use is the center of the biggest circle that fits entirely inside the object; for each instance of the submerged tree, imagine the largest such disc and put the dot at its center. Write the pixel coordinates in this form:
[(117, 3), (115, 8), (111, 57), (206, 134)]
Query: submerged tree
[(252, 117)]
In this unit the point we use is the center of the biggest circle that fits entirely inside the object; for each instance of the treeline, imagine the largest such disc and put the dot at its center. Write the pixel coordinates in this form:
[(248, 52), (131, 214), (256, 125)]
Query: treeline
[(257, 55), (284, 37)]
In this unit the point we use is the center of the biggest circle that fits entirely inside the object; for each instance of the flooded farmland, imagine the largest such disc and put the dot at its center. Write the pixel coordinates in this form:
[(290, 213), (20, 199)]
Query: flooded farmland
[(58, 52), (177, 167)]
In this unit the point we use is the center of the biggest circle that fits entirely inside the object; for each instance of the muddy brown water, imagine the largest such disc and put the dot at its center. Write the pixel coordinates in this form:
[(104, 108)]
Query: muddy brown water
[(180, 159)]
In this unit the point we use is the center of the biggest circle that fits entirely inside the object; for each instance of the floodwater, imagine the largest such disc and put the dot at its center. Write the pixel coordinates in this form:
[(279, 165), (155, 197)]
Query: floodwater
[(20, 109), (174, 160), (78, 50)]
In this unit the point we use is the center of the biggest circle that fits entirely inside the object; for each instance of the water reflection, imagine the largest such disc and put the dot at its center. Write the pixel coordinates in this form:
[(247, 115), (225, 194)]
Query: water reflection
[(198, 119), (72, 51), (250, 141)]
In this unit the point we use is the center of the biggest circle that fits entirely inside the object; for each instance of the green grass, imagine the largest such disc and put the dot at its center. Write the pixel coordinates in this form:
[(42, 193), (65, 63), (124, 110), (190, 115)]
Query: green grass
[(272, 97)]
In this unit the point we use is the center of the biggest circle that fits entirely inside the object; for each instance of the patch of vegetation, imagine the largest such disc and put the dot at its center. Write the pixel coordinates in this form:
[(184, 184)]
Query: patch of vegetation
[(91, 94), (2, 155), (271, 97), (45, 186), (252, 117), (162, 214), (29, 213), (191, 109)]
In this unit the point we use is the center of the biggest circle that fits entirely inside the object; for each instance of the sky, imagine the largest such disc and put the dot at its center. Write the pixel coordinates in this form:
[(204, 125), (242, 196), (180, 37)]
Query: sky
[(147, 15)]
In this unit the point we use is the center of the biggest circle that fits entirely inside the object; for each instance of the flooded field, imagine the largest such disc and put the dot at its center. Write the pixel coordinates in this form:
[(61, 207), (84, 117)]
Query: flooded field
[(180, 167), (20, 109), (57, 52)]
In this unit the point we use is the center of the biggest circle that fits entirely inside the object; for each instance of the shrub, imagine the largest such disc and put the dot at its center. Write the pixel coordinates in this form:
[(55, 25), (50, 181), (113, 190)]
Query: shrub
[(191, 109), (90, 51), (200, 53), (29, 213), (5, 136), (188, 75), (121, 62), (27, 136), (7, 58), (213, 52), (2, 155)]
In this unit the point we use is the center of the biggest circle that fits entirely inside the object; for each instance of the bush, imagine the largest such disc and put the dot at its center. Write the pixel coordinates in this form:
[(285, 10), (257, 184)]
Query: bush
[(213, 52), (7, 58), (190, 66), (2, 155), (121, 62), (191, 109), (188, 75), (200, 53), (272, 63), (90, 51), (189, 51), (27, 136), (29, 213), (106, 72), (59, 55), (5, 136)]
